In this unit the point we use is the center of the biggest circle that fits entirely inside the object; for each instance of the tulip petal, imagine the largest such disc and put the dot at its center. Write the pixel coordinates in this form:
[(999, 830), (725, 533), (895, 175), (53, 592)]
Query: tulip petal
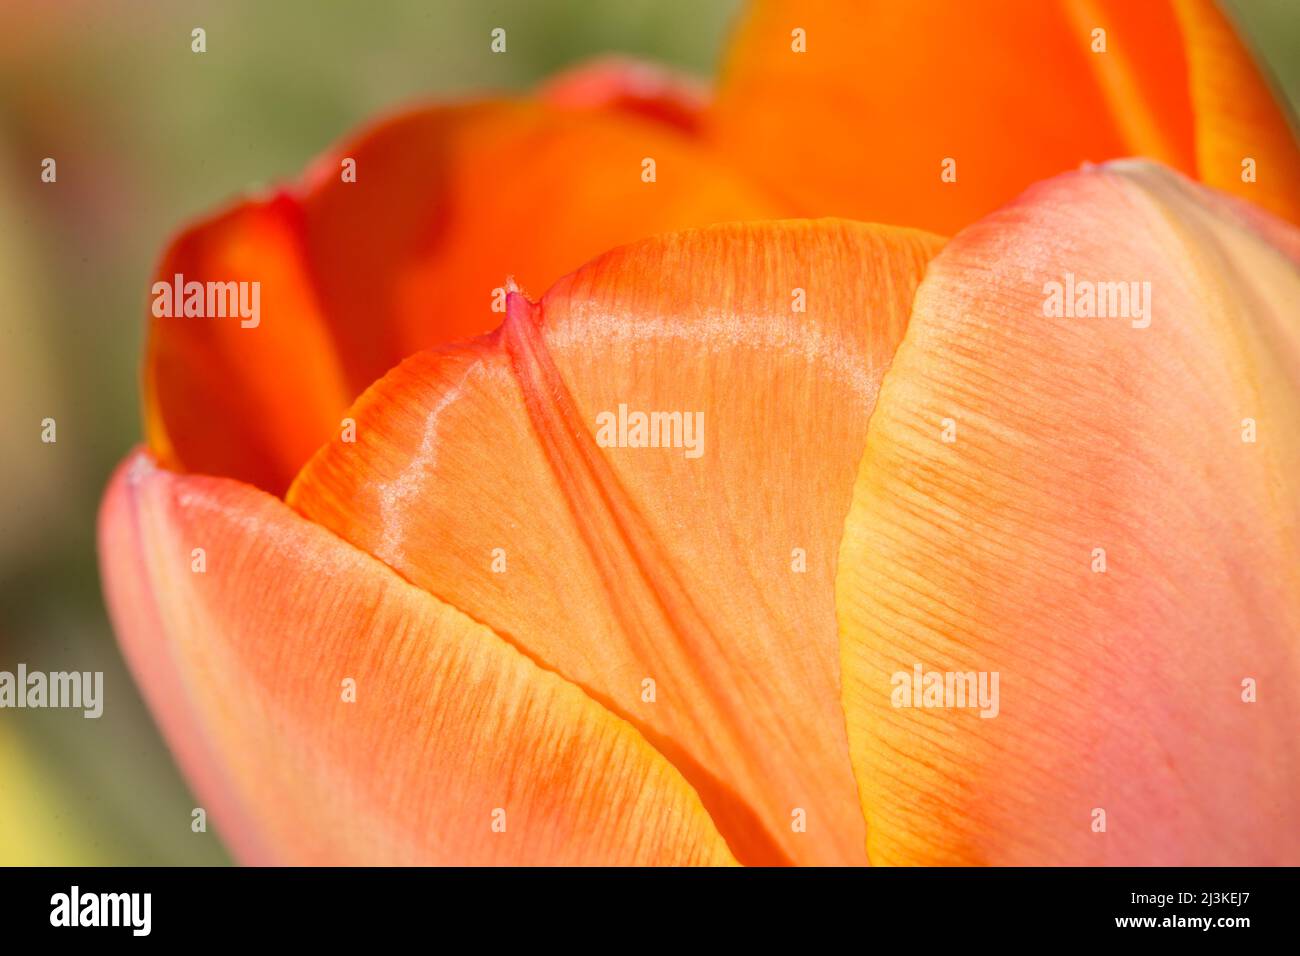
[(693, 594), (1078, 505), (450, 200), (863, 122), (456, 749), (215, 387), (624, 83), (1237, 116), (446, 202)]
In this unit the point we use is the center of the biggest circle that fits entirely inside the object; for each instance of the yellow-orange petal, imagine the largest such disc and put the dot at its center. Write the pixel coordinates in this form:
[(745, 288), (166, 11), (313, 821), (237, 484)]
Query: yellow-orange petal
[(252, 385), (1104, 511), (934, 113), (328, 712), (688, 585)]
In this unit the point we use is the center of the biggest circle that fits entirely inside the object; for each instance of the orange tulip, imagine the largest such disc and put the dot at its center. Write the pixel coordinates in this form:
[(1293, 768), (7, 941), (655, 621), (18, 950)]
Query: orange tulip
[(441, 204), (630, 579)]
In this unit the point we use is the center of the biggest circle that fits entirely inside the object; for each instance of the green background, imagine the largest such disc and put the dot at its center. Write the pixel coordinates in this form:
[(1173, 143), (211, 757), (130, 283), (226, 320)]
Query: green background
[(148, 135)]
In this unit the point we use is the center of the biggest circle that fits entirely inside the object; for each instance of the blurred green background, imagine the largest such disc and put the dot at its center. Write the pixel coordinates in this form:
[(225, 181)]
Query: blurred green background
[(147, 135)]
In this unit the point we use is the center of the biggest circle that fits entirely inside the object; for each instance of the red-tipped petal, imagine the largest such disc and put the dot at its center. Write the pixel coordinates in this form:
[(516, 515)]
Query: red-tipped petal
[(635, 86)]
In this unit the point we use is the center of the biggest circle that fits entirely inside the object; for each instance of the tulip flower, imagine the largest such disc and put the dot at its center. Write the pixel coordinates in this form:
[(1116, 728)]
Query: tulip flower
[(927, 114), (627, 572)]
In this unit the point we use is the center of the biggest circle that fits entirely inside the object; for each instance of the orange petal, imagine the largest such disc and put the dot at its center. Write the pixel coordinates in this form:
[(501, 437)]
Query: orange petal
[(1098, 532), (250, 398), (455, 750), (692, 593), (862, 123), (447, 202), (1237, 115), (624, 83)]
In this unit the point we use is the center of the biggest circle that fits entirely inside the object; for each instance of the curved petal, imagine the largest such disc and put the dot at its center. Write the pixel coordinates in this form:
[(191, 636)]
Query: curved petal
[(447, 203), (455, 749), (215, 381), (1237, 115), (637, 86), (689, 583), (1111, 523), (450, 201), (862, 122)]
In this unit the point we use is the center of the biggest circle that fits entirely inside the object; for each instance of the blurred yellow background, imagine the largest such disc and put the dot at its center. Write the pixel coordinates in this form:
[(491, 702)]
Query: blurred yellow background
[(148, 135)]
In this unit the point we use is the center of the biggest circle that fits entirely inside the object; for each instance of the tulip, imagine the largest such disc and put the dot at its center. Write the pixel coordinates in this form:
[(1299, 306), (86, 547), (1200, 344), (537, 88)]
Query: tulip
[(440, 204), (445, 622), (351, 675)]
